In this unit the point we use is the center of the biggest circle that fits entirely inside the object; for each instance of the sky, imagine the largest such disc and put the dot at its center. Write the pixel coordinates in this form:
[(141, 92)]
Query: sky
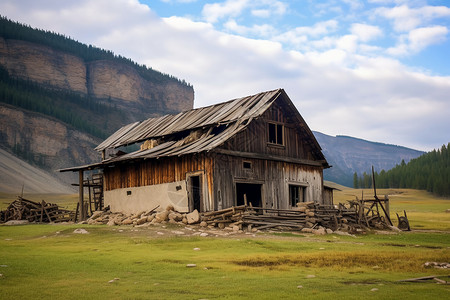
[(375, 69)]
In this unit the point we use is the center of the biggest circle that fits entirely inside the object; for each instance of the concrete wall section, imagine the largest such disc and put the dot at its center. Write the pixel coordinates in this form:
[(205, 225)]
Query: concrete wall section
[(138, 199)]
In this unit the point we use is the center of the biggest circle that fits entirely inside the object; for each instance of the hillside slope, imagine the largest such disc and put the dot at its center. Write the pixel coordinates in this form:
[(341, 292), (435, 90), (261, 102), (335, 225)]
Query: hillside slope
[(60, 98), (347, 155), (15, 174)]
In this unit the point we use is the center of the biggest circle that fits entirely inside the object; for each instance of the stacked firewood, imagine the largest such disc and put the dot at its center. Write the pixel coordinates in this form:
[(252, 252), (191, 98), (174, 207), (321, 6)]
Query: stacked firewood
[(43, 212)]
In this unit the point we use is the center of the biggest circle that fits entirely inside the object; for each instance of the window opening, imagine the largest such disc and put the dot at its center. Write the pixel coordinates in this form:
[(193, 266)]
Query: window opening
[(275, 133), (297, 194), (251, 191), (247, 165)]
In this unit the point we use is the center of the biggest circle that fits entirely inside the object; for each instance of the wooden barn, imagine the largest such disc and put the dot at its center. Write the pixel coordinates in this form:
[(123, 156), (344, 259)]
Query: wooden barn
[(256, 150)]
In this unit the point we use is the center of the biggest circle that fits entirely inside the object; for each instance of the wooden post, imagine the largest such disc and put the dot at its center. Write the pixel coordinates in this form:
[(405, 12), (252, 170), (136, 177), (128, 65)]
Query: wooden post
[(80, 196)]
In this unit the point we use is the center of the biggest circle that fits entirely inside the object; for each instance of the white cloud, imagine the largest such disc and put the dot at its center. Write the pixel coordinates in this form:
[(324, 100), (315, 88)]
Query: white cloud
[(336, 89), (365, 32), (418, 39), (406, 18), (230, 8), (233, 8), (264, 30)]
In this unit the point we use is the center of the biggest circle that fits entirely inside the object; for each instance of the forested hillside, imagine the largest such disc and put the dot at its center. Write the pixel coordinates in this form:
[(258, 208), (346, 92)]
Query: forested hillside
[(60, 98), (16, 31), (430, 172)]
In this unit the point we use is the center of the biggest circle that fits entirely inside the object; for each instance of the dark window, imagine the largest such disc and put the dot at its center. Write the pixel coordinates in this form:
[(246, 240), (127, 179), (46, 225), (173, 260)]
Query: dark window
[(247, 165), (276, 134), (296, 194)]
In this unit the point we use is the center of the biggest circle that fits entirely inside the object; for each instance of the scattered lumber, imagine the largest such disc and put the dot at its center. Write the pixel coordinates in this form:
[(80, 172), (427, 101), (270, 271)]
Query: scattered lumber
[(426, 278), (42, 212)]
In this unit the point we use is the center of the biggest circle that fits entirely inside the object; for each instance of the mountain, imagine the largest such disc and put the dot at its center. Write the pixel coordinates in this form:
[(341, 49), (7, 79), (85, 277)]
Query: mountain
[(17, 175), (348, 155), (60, 98)]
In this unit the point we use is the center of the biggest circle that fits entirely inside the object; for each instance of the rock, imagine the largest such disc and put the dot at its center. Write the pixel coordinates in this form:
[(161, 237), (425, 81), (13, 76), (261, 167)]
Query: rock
[(150, 218), (184, 221), (196, 249), (235, 228), (17, 222), (193, 217), (170, 207), (374, 290), (221, 225), (80, 231), (141, 221), (127, 221), (177, 232), (320, 231), (96, 214), (310, 276), (329, 231), (299, 286), (162, 216), (191, 265), (203, 234), (176, 216), (203, 224)]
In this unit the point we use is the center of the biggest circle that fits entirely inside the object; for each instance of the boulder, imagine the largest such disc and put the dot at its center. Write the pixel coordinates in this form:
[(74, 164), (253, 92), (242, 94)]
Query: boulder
[(127, 221), (141, 221), (162, 216), (193, 217)]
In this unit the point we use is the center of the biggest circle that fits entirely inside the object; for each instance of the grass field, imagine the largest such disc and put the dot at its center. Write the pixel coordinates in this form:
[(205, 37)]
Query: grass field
[(53, 262)]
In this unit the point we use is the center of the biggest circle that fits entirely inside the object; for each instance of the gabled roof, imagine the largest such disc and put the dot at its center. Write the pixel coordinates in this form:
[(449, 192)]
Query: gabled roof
[(234, 112), (201, 129)]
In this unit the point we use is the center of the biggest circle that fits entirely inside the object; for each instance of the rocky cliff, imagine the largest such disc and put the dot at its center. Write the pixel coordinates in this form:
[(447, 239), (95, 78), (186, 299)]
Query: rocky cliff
[(101, 79), (46, 142)]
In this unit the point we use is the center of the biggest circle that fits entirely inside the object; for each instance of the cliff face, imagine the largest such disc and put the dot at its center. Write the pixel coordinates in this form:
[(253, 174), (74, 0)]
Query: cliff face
[(99, 79), (42, 139)]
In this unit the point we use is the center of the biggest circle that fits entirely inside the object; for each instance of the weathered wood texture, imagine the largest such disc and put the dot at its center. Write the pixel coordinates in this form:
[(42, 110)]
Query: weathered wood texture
[(155, 171), (255, 138), (274, 177)]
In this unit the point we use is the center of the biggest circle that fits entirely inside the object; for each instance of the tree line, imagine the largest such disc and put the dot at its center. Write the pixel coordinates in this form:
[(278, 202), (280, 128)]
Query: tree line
[(430, 171), (14, 30)]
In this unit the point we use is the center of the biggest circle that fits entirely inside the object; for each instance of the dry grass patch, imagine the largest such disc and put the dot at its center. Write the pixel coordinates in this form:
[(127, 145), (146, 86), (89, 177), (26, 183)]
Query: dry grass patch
[(398, 261)]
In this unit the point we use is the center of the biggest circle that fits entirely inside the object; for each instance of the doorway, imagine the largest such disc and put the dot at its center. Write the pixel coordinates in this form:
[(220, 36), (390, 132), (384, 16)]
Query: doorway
[(195, 193), (252, 192)]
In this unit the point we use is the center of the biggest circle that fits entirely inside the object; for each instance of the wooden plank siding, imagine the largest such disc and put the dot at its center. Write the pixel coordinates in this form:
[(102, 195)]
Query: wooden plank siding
[(156, 171), (255, 139), (273, 175)]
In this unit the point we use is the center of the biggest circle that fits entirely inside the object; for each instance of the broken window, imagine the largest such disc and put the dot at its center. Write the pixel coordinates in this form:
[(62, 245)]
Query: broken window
[(296, 194), (276, 133)]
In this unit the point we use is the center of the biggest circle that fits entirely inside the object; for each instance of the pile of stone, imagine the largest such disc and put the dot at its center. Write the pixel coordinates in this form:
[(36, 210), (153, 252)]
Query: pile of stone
[(436, 265), (144, 218)]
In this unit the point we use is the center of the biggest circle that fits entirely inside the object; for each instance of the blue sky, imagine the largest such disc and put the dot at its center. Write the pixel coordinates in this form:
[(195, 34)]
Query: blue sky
[(375, 69)]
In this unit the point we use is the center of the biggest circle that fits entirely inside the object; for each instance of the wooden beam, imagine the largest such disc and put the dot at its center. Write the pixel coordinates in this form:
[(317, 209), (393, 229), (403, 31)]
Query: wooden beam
[(271, 157), (80, 196)]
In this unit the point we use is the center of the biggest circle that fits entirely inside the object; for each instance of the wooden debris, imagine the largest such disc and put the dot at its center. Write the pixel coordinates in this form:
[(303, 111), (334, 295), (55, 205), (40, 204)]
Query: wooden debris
[(43, 212), (425, 279)]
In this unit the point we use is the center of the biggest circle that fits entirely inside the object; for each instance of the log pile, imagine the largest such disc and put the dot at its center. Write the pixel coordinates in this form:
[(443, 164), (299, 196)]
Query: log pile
[(43, 212)]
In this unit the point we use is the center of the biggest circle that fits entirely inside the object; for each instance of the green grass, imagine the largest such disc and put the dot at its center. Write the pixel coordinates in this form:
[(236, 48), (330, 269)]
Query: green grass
[(424, 210), (50, 261)]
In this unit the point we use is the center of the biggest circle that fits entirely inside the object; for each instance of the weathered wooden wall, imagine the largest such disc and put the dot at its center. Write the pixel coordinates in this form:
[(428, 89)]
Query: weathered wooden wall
[(154, 171), (254, 138), (275, 177)]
